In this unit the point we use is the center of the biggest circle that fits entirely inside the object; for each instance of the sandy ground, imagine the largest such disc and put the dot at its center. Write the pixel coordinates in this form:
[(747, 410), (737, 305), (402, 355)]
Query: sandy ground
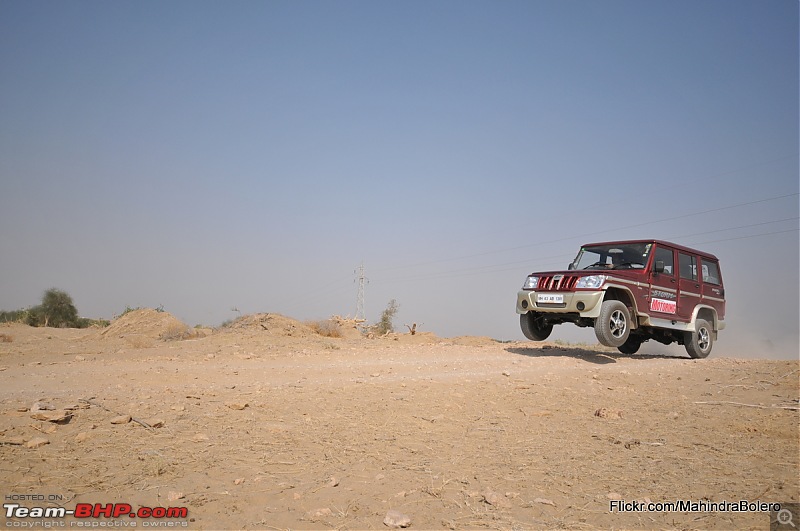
[(270, 426)]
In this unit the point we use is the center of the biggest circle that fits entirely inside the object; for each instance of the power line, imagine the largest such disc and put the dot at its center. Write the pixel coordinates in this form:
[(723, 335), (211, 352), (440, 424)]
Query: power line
[(495, 268), (751, 236), (527, 246)]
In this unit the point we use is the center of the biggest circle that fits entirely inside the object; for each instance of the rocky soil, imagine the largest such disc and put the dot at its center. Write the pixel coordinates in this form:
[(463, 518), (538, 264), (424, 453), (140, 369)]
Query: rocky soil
[(268, 425)]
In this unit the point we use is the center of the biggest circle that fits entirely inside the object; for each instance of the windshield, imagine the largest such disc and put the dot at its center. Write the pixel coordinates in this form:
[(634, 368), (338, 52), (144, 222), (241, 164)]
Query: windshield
[(616, 256)]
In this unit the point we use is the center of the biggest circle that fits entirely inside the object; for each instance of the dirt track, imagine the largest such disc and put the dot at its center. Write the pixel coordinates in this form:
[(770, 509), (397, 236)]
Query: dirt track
[(293, 430)]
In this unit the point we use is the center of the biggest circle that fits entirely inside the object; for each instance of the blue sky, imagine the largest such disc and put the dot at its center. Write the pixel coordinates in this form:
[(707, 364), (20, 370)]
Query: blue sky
[(210, 155)]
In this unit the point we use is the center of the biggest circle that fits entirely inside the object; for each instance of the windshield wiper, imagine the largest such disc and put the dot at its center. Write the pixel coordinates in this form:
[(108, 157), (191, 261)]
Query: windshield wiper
[(605, 266)]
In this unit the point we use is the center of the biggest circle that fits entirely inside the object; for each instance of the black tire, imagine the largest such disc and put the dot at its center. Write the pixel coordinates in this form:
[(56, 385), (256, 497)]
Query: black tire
[(534, 327), (631, 346), (698, 343), (613, 326)]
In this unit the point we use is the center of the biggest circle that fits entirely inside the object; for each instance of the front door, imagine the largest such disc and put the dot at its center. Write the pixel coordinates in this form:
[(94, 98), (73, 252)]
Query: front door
[(664, 290)]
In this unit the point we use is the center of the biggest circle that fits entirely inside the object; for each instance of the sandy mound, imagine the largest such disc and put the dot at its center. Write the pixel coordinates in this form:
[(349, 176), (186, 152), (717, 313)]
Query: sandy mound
[(146, 323), (473, 341), (420, 338), (273, 324), (348, 328)]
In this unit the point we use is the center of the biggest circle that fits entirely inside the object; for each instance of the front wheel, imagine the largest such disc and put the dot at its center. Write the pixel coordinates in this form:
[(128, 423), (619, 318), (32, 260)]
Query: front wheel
[(534, 327), (698, 343), (613, 326)]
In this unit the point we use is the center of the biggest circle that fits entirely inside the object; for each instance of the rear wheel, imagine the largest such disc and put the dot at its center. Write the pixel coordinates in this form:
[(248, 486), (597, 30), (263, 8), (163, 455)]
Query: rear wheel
[(631, 346), (534, 327), (698, 343), (613, 326)]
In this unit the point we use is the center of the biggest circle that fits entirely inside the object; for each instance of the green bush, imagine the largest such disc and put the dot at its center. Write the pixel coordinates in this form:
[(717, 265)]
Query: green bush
[(56, 310), (384, 326), (14, 316)]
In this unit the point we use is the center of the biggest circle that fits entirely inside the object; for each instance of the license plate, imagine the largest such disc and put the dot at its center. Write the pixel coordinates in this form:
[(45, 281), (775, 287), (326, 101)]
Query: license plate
[(550, 298)]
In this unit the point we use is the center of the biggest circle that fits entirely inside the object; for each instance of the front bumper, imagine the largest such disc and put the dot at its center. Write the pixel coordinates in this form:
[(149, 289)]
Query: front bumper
[(589, 302)]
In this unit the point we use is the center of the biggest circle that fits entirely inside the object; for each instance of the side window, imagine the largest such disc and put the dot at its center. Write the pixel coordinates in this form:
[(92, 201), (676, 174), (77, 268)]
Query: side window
[(687, 265), (710, 272), (665, 255)]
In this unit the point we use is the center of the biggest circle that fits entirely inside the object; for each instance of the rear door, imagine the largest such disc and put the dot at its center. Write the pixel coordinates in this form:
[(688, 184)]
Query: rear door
[(713, 292), (689, 289)]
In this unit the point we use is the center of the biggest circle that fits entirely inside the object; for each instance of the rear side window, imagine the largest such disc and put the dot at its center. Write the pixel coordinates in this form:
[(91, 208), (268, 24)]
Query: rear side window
[(710, 272), (687, 265), (665, 255)]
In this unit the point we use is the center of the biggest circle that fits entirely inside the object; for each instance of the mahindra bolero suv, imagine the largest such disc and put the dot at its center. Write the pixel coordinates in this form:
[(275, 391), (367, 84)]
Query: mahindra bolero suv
[(630, 292)]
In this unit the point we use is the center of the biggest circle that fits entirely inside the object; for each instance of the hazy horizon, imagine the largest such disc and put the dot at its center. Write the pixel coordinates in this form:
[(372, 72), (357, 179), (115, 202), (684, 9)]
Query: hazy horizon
[(204, 156)]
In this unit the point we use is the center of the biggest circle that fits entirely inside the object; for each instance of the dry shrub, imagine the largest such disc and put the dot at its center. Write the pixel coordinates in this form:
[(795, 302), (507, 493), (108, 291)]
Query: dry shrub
[(327, 328), (5, 338), (177, 332)]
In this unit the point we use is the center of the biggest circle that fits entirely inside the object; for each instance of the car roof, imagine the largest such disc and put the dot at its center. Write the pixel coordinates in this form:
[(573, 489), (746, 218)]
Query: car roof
[(658, 243)]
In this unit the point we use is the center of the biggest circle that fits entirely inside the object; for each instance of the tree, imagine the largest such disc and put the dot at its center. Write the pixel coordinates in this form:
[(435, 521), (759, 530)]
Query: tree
[(56, 310), (385, 326)]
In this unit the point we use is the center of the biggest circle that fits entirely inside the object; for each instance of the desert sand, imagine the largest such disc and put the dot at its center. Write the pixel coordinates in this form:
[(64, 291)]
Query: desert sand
[(268, 425)]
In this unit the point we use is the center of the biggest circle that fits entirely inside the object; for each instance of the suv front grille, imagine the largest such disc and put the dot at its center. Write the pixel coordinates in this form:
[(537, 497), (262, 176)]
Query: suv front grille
[(557, 283)]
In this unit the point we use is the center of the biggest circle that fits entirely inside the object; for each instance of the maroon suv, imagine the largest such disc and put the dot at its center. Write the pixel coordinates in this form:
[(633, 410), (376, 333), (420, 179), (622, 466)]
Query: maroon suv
[(630, 292)]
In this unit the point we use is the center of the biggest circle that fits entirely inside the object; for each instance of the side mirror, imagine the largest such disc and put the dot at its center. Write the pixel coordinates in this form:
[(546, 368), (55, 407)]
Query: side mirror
[(571, 266), (659, 267)]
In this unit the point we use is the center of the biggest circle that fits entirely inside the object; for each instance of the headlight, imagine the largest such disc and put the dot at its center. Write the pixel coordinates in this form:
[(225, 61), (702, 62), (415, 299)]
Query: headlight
[(591, 281), (531, 283)]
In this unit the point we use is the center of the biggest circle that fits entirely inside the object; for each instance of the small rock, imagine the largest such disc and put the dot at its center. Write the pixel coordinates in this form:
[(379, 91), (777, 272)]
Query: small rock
[(200, 437), (16, 441), (81, 437), (506, 373), (238, 481), (544, 501), (122, 419), (606, 413), (333, 482), (320, 513), (42, 406), (495, 499), (236, 405), (58, 415), (37, 442), (396, 519), (156, 423), (174, 495), (80, 358)]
